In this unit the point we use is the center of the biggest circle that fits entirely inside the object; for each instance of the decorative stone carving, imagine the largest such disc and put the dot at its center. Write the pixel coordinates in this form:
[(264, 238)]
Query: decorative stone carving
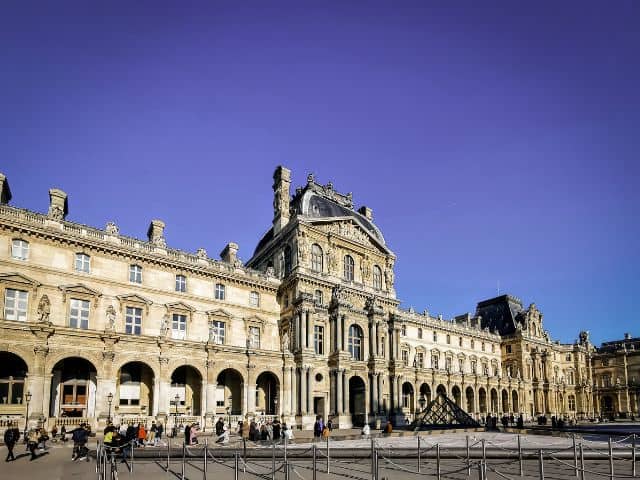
[(332, 260), (108, 356), (284, 340), (111, 318), (271, 271), (55, 213), (164, 326), (303, 247), (337, 294), (44, 309), (388, 274), (112, 229), (201, 253), (365, 268)]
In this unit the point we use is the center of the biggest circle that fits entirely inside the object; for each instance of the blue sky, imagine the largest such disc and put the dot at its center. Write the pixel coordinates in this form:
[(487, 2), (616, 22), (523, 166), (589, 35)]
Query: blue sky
[(495, 141)]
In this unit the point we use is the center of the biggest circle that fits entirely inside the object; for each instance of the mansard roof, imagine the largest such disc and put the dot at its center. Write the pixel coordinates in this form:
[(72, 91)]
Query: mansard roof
[(500, 314)]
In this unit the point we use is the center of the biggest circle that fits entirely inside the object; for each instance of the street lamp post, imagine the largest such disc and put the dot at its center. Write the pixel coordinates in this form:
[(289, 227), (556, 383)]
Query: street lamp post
[(26, 420), (109, 400), (422, 402), (229, 417), (177, 399)]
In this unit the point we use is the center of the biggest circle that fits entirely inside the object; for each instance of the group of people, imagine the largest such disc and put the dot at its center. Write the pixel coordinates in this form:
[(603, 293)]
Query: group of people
[(321, 429)]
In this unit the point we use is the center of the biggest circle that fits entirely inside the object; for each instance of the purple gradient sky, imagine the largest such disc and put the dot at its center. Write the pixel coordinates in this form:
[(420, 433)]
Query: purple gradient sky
[(495, 141)]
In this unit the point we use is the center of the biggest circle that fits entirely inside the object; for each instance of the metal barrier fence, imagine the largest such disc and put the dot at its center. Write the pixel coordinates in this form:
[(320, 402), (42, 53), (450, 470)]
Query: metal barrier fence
[(424, 460)]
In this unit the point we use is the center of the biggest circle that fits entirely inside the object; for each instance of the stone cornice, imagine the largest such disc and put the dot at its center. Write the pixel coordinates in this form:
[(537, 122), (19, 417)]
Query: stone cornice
[(36, 224)]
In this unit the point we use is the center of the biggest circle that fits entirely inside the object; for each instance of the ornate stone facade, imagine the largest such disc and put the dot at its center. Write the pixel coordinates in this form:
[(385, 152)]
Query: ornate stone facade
[(310, 326)]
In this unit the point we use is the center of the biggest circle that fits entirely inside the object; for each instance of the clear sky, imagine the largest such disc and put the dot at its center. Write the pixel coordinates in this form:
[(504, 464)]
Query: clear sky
[(495, 141)]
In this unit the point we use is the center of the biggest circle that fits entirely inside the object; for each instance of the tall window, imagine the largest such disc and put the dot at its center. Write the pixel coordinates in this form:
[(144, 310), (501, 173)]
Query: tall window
[(181, 283), (316, 258), (219, 291), (474, 367), (448, 339), (179, 327), (482, 346), (15, 305), (12, 385), (419, 333), (287, 260), (435, 336), (254, 299), (485, 369), (572, 403), (606, 380), (355, 342), (459, 341), (217, 332), (79, 314), (435, 360), (82, 263), (318, 297), (405, 358), (135, 273), (461, 365), (20, 249), (318, 339), (254, 337), (403, 330), (348, 267), (473, 344), (419, 359), (377, 277), (447, 364), (133, 321)]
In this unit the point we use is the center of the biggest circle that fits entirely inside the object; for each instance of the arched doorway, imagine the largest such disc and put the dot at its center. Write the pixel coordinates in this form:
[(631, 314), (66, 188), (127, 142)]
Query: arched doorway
[(608, 406), (470, 400), (73, 388), (267, 394), (505, 401), (457, 395), (229, 391), (357, 401), (408, 398), (514, 402), (13, 373), (425, 395), (482, 400), (135, 389), (494, 401), (186, 384)]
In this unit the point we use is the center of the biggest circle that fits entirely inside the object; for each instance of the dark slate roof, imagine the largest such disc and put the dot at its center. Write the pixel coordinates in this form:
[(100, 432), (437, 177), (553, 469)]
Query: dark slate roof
[(628, 343), (500, 314)]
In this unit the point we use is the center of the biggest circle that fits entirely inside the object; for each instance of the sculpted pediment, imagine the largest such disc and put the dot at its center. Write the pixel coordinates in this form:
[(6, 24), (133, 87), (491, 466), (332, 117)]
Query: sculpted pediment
[(350, 229), (180, 306), (19, 279), (219, 313), (133, 298), (79, 289)]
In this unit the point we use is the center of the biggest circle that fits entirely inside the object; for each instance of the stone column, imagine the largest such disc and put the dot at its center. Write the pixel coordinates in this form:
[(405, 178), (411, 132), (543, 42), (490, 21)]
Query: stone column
[(303, 329), (303, 390), (285, 398), (294, 392), (345, 379), (379, 378), (211, 389), (339, 395), (374, 393), (162, 389), (36, 382), (310, 329), (343, 333), (309, 394), (251, 389)]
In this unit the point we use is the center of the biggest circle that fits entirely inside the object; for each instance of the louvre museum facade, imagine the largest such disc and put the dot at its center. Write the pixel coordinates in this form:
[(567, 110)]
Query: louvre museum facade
[(99, 325)]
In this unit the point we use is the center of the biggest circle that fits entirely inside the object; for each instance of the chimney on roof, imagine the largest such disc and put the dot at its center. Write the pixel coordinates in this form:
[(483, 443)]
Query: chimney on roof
[(58, 204), (229, 253), (627, 336), (156, 233), (281, 198), (5, 191), (366, 211)]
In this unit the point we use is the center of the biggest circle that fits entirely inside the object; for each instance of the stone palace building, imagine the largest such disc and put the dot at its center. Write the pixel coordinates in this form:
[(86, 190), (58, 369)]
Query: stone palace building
[(95, 324)]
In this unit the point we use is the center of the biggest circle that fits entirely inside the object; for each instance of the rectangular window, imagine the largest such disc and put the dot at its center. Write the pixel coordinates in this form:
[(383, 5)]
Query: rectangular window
[(474, 368), (448, 339), (82, 263), (508, 348), (435, 360), (572, 403), (485, 370), (405, 357), (420, 360), (79, 314), (179, 327), (419, 333), (20, 249), (254, 299), (568, 357), (219, 291), (318, 298), (483, 346), (403, 330), (15, 305), (318, 339), (218, 332), (447, 364), (461, 365), (435, 337), (459, 341), (133, 321), (135, 273), (181, 283), (254, 337)]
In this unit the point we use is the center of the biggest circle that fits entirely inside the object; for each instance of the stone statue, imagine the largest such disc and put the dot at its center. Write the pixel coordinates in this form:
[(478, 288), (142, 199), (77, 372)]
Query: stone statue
[(111, 318), (388, 274), (271, 271), (164, 326), (584, 337), (284, 340), (303, 248), (201, 253), (112, 229), (44, 309), (365, 268), (55, 213), (337, 293)]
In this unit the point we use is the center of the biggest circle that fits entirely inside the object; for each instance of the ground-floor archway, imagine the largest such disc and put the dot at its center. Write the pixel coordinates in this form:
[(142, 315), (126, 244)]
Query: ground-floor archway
[(494, 400), (229, 392), (186, 386), (425, 395), (135, 389), (482, 400), (357, 405), (73, 388), (470, 399), (408, 397), (608, 406), (267, 393), (457, 395), (505, 401), (13, 374), (514, 402)]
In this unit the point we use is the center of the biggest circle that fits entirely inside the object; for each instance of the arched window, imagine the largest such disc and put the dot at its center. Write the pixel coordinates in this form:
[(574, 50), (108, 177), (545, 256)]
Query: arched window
[(316, 258), (377, 277), (355, 342), (348, 267), (287, 260)]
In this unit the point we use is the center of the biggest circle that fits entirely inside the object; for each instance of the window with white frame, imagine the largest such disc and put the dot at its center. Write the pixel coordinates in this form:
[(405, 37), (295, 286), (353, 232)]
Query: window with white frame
[(254, 299), (316, 258), (572, 403), (318, 297), (217, 333), (403, 330), (405, 358), (181, 283), (135, 273), (15, 305), (461, 365), (377, 277), (20, 249), (254, 337), (179, 326), (419, 333), (348, 267), (318, 339), (133, 321), (474, 367), (485, 369), (79, 313), (83, 263), (459, 341), (435, 362), (448, 339), (447, 364), (220, 291), (483, 346), (355, 342), (420, 359)]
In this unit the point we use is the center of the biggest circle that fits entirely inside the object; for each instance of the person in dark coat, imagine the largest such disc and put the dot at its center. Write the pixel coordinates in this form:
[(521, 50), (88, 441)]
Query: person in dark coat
[(187, 434), (276, 431), (219, 427), (11, 437)]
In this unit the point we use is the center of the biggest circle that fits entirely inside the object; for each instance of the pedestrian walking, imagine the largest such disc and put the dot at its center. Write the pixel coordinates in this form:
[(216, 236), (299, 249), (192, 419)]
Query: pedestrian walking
[(11, 437), (32, 442)]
